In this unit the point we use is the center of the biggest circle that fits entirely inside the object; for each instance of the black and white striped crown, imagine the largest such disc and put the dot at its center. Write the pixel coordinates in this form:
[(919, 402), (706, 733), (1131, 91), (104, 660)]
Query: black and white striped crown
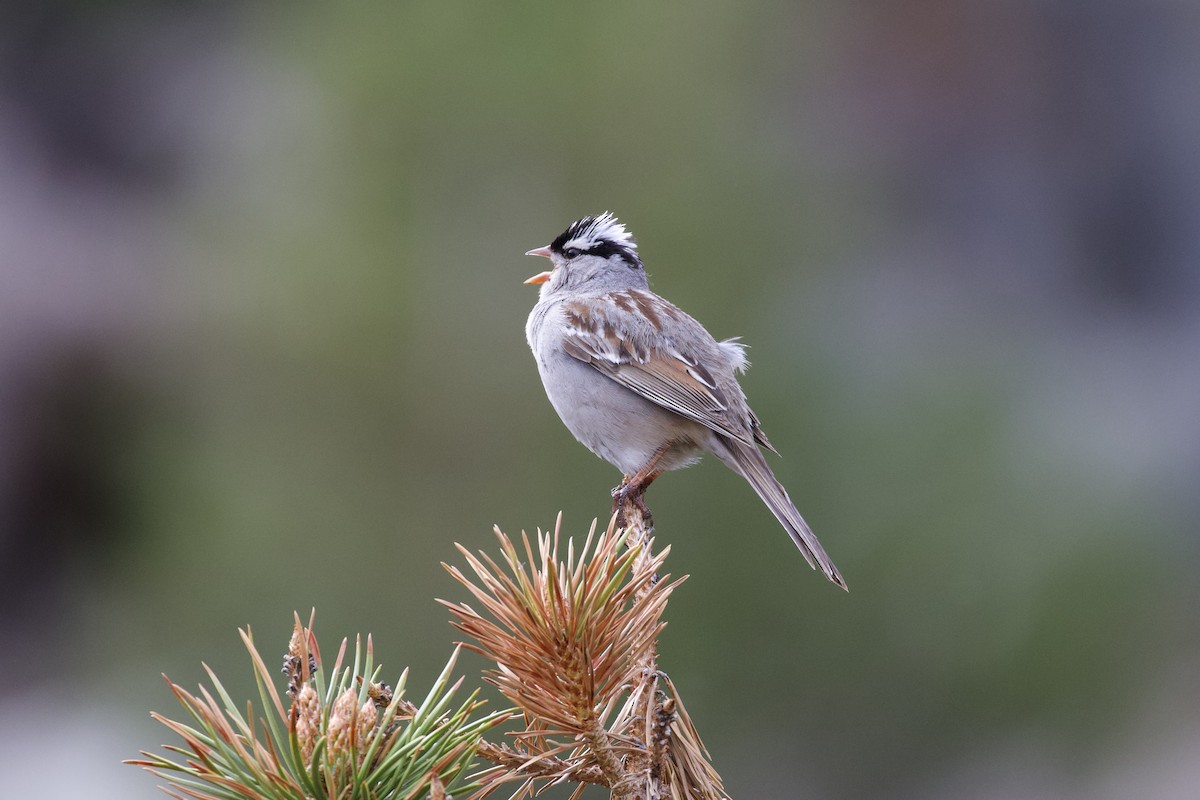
[(600, 235)]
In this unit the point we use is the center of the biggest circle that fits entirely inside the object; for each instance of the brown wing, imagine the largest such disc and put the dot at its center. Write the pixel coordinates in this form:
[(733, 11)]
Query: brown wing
[(630, 349), (759, 436)]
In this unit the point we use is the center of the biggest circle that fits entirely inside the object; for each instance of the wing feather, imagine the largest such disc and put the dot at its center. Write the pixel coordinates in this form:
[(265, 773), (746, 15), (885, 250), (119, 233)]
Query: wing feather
[(630, 349)]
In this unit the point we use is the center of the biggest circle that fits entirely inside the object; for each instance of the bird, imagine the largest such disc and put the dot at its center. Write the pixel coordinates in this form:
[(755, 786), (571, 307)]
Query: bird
[(641, 383)]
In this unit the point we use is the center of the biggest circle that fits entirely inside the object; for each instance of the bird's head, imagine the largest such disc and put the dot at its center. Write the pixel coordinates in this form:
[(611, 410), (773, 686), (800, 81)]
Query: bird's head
[(595, 253)]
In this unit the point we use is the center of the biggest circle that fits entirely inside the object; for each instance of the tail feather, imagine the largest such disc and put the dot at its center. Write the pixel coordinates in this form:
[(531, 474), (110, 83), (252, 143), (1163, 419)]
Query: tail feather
[(750, 464)]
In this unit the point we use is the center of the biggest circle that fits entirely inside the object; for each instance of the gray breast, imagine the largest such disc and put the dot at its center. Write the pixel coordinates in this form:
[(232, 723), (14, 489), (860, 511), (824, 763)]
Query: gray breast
[(612, 421)]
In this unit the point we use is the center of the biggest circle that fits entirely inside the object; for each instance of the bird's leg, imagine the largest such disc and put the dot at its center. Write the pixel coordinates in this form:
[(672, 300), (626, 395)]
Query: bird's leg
[(634, 486)]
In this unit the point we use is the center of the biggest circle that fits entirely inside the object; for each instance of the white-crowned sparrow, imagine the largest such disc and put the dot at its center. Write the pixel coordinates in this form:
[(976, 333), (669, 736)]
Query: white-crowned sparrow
[(639, 382)]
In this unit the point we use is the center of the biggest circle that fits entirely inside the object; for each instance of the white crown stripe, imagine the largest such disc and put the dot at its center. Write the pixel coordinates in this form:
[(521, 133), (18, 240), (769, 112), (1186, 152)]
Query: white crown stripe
[(602, 228)]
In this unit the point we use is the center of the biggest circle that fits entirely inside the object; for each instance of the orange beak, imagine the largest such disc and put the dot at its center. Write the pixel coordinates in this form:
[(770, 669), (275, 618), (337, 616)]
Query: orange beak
[(541, 277)]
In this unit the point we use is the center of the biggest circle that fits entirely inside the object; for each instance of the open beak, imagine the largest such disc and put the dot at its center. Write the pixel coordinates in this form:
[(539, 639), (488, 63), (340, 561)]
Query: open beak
[(541, 277)]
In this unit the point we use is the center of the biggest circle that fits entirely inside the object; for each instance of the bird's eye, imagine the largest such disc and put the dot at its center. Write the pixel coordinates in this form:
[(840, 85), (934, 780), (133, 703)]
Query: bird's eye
[(572, 252)]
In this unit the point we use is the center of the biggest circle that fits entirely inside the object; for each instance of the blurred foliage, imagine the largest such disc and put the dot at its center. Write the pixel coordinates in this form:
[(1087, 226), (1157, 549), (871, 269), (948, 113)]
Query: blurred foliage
[(333, 387)]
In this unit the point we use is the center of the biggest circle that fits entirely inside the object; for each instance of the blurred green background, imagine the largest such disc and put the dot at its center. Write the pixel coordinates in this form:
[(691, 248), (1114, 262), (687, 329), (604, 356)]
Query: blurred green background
[(261, 349)]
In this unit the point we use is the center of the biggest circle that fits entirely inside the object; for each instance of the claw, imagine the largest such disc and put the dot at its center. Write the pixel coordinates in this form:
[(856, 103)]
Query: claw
[(633, 492)]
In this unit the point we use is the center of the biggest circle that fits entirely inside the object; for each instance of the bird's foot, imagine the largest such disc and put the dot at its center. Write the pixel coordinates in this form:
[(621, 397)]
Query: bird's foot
[(629, 497), (647, 518)]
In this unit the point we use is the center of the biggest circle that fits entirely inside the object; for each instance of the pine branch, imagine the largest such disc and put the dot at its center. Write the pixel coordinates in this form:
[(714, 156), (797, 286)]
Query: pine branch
[(355, 737), (573, 633), (575, 643)]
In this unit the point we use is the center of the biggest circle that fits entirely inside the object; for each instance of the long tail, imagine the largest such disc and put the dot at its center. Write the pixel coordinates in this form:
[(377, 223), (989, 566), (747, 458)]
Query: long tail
[(749, 463)]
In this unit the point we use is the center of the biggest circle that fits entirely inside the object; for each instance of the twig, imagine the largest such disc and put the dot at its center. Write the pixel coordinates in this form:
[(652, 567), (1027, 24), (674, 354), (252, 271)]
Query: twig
[(649, 762), (523, 762)]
